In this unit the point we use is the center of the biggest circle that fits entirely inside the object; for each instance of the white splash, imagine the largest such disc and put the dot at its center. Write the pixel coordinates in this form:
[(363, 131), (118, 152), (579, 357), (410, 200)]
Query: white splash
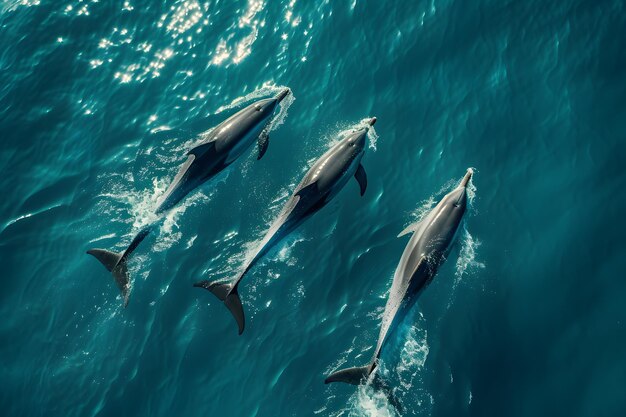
[(413, 356), (284, 252), (372, 134), (144, 203), (140, 205), (467, 256), (284, 105), (471, 192), (415, 350), (368, 402), (169, 232)]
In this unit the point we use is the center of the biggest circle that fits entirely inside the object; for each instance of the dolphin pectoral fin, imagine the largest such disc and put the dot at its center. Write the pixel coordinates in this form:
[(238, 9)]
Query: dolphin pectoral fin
[(229, 295), (263, 143), (116, 264), (202, 149), (409, 229), (361, 178), (352, 376)]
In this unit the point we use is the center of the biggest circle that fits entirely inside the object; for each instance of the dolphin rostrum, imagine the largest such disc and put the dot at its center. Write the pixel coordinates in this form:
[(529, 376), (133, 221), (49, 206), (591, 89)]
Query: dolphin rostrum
[(426, 251), (328, 175), (221, 147)]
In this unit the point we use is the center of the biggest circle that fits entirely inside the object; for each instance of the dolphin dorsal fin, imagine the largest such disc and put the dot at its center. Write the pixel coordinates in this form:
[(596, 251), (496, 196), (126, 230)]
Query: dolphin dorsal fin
[(201, 149), (409, 229)]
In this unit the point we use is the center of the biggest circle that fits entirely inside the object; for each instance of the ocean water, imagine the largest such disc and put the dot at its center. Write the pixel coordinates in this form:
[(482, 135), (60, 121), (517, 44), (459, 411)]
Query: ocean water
[(99, 100)]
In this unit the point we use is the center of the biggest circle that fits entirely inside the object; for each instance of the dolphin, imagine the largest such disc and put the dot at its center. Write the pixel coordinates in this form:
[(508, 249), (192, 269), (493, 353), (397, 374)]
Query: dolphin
[(427, 249), (328, 175), (223, 145)]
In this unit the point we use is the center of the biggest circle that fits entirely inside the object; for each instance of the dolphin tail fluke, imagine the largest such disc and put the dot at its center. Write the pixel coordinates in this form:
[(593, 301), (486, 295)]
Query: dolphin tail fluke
[(361, 375), (116, 262), (230, 296), (106, 257), (116, 265), (352, 376)]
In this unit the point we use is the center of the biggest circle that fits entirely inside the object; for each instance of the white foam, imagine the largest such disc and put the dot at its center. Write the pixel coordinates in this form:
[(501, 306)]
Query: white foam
[(138, 207), (285, 248), (284, 105), (169, 232), (368, 402), (467, 256), (471, 192), (415, 350), (371, 134), (413, 355)]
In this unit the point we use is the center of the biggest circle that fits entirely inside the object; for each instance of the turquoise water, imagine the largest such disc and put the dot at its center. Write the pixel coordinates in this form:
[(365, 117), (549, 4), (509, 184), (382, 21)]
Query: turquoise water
[(99, 100)]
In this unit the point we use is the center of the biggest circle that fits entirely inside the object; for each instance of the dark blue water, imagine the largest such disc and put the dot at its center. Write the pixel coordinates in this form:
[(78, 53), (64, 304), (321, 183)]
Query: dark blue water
[(99, 101)]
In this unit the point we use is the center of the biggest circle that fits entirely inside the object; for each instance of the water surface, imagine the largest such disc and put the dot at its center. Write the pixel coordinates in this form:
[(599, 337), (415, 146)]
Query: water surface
[(99, 101)]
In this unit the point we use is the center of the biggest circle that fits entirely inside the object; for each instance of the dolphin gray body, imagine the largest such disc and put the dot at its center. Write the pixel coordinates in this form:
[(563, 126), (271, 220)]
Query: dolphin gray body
[(427, 249), (223, 145), (328, 175)]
